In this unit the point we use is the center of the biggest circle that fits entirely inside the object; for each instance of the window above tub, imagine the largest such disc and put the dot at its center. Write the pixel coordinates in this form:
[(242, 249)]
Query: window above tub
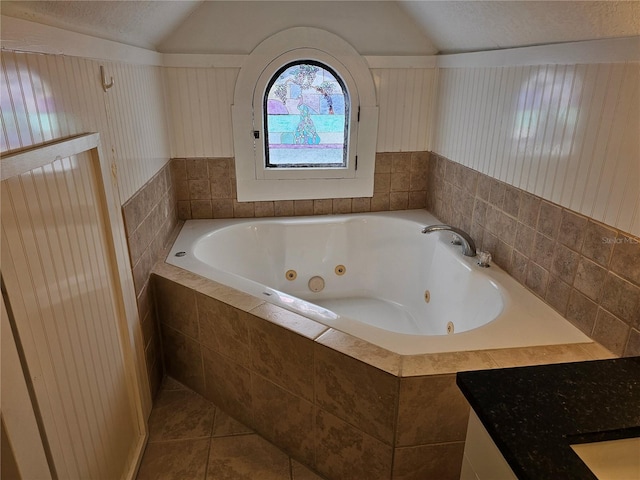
[(304, 119)]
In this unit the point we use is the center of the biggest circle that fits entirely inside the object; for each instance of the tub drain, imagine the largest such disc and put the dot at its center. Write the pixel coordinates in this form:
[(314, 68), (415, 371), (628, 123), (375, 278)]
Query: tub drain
[(450, 328), (316, 284)]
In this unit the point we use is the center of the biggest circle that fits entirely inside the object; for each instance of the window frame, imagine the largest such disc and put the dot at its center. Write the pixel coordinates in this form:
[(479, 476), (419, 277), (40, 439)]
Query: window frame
[(346, 127), (253, 181), (320, 57)]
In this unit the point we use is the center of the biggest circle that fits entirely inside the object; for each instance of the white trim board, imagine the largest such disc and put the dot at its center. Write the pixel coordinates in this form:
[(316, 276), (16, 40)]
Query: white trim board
[(612, 50)]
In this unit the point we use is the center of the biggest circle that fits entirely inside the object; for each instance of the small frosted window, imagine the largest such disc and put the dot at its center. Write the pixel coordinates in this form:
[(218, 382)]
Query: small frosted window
[(306, 109)]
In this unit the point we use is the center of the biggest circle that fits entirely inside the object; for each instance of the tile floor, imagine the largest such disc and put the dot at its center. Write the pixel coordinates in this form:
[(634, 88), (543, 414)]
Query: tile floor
[(189, 438)]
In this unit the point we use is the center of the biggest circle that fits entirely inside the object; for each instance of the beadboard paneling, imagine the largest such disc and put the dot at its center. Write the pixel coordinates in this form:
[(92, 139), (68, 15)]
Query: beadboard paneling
[(45, 97), (404, 98), (200, 102), (57, 270), (568, 133)]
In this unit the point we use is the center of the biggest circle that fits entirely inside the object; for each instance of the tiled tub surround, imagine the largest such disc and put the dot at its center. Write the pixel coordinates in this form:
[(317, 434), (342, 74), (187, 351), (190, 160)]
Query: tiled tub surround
[(344, 407), (205, 188), (587, 271), (150, 218)]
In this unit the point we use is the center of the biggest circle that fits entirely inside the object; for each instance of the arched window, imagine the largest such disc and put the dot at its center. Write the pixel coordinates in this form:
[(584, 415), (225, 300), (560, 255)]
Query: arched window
[(312, 118), (306, 117)]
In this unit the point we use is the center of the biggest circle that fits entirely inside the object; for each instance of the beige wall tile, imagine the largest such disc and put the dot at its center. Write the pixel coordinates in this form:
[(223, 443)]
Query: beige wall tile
[(323, 206), (381, 182), (622, 298), (283, 208), (383, 162), (303, 207), (201, 209), (611, 332), (243, 209), (549, 219), (341, 205), (282, 356), (293, 431), (625, 260), (199, 190), (224, 329), (632, 348), (590, 278), (177, 307), (228, 385), (537, 279), (380, 202), (557, 295), (431, 409), (529, 209), (361, 205), (564, 263), (264, 209), (595, 246), (581, 311), (197, 169), (221, 208), (183, 359), (400, 181), (220, 187), (572, 228), (356, 392), (440, 461), (398, 200), (344, 452)]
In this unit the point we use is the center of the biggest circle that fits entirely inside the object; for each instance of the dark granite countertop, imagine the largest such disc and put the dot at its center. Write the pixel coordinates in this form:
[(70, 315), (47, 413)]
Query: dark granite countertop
[(535, 413)]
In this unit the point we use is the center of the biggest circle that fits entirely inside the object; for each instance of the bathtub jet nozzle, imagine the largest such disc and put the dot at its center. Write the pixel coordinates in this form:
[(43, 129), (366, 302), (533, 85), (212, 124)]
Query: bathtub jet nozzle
[(468, 245)]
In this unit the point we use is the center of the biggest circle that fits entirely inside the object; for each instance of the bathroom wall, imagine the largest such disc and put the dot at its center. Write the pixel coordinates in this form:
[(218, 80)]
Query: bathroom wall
[(205, 188), (586, 270), (200, 102), (150, 218), (203, 166), (567, 132), (46, 97)]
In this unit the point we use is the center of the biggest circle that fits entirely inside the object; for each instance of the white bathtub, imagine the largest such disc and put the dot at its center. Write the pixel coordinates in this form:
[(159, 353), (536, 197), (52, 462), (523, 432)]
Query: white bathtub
[(383, 280)]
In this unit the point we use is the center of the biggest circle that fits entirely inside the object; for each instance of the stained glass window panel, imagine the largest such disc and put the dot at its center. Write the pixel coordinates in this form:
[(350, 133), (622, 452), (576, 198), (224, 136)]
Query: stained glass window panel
[(306, 109)]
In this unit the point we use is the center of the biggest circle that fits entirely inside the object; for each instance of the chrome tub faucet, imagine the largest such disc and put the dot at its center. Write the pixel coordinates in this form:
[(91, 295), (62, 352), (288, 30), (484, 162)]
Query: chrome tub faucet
[(468, 245)]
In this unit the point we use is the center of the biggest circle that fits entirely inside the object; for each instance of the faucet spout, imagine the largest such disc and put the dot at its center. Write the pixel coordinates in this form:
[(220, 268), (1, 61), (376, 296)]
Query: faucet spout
[(468, 245)]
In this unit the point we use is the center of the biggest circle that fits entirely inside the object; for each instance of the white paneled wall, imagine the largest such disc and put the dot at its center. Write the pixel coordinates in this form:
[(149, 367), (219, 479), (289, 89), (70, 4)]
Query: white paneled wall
[(45, 97), (568, 133), (58, 277), (404, 98), (200, 102), (201, 98)]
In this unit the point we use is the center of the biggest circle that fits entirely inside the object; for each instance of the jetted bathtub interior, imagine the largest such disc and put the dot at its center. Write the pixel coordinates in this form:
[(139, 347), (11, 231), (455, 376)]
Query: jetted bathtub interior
[(375, 276)]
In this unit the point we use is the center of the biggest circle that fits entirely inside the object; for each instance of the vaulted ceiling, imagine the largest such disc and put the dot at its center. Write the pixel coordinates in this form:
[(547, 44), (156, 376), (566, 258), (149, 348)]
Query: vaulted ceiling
[(402, 27)]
